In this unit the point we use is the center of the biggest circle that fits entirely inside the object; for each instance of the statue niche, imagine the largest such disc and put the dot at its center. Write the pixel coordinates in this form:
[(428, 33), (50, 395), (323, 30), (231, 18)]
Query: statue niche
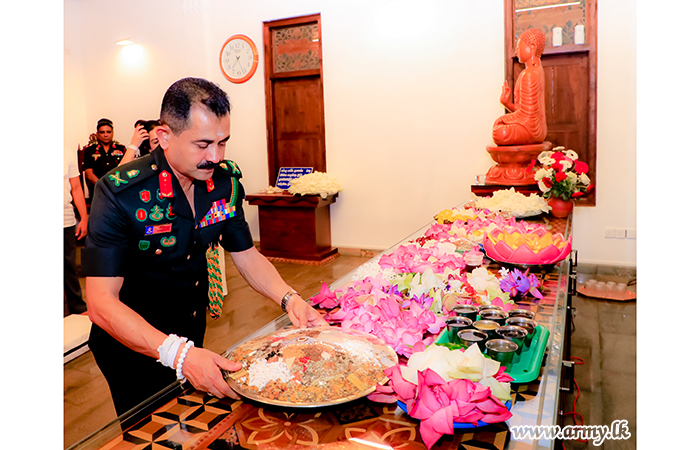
[(519, 134)]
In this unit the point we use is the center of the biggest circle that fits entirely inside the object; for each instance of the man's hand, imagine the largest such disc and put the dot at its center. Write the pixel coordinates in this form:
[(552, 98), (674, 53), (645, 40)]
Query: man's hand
[(202, 368), (81, 229), (302, 314)]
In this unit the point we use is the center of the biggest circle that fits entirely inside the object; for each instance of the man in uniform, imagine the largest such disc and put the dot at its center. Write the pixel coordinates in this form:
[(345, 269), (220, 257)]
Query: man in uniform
[(102, 156), (153, 225)]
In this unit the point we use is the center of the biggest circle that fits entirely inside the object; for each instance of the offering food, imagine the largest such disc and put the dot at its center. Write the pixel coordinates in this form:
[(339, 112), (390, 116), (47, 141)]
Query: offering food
[(515, 203), (310, 367)]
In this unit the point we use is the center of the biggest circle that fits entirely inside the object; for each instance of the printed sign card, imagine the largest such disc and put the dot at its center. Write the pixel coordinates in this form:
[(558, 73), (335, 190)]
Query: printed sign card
[(287, 174)]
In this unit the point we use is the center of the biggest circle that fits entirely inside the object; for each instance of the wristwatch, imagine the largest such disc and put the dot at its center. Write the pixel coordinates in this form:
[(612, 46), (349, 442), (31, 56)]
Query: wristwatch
[(286, 298)]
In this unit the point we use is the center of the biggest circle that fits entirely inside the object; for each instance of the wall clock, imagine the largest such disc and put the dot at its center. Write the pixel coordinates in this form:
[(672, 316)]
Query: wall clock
[(238, 58)]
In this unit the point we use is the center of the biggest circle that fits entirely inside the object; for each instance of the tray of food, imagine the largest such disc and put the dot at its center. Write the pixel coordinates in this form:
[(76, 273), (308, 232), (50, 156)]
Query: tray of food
[(310, 367)]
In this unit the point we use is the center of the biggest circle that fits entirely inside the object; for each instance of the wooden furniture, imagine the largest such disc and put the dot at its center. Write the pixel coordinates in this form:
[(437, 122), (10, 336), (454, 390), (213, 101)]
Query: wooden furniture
[(295, 228), (570, 69)]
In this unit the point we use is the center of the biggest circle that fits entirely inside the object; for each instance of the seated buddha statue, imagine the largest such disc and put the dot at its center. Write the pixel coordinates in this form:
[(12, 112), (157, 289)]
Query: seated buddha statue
[(525, 123)]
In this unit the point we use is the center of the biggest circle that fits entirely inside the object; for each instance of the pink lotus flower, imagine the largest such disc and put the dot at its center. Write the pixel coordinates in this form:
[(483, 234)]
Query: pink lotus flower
[(438, 403)]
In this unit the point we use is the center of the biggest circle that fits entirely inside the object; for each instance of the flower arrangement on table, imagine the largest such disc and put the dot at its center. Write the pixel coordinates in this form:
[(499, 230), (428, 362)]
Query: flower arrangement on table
[(562, 174), (440, 386), (315, 183), (405, 296), (526, 243)]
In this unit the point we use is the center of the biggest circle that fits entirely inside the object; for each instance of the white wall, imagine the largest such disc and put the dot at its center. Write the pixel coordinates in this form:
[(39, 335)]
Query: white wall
[(411, 92)]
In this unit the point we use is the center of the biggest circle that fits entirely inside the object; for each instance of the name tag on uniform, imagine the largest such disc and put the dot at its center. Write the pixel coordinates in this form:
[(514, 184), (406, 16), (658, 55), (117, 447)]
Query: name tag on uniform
[(158, 229), (218, 212)]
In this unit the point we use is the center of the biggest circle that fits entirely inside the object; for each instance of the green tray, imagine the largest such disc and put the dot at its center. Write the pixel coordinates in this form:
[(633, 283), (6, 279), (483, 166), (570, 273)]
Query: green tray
[(525, 370)]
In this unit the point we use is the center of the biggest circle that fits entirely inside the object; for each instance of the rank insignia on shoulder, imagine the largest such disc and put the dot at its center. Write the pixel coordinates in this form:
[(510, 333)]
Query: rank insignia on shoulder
[(115, 178), (210, 185), (223, 165), (133, 173), (234, 166)]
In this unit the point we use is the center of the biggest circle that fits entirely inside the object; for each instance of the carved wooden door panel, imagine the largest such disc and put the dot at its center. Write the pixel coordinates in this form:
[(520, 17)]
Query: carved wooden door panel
[(294, 94)]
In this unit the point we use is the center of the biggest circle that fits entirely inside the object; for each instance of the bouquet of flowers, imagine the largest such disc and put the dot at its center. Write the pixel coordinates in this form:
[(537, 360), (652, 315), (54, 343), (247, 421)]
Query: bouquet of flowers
[(562, 174)]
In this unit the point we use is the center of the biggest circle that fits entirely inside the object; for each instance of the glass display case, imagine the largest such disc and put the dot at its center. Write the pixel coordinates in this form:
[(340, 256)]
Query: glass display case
[(180, 417)]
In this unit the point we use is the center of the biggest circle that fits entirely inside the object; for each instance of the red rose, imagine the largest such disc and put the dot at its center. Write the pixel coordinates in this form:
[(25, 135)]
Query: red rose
[(560, 176), (547, 182), (589, 188), (531, 167), (580, 167), (577, 194)]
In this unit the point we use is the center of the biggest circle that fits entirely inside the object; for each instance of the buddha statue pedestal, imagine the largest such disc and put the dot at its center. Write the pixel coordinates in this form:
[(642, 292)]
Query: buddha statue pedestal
[(512, 162)]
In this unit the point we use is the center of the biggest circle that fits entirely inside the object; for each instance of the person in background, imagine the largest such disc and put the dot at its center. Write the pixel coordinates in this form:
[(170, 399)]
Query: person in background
[(73, 231), (150, 256), (144, 140), (103, 155)]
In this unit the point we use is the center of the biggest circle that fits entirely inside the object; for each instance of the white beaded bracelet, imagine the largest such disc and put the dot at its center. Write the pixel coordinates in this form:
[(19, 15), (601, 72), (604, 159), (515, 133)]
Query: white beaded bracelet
[(180, 361), (168, 350)]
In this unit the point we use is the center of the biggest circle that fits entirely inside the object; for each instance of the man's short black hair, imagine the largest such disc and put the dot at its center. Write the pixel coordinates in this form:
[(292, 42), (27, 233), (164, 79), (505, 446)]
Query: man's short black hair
[(179, 98), (102, 122), (148, 125)]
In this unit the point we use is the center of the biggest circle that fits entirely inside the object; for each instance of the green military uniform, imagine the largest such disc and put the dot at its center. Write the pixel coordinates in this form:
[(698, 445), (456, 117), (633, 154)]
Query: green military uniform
[(142, 229)]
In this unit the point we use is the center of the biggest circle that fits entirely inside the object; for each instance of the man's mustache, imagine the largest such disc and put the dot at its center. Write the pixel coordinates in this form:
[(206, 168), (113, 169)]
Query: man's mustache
[(206, 165)]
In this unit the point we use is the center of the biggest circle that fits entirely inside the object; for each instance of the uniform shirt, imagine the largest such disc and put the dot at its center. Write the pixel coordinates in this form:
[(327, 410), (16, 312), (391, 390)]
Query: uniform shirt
[(156, 244), (101, 162), (70, 170)]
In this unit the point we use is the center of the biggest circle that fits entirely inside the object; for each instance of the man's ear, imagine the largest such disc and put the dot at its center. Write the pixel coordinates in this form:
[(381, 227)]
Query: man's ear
[(164, 134)]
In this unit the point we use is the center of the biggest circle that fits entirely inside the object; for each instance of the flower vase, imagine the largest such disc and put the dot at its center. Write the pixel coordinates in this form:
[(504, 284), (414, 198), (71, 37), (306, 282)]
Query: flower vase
[(560, 208)]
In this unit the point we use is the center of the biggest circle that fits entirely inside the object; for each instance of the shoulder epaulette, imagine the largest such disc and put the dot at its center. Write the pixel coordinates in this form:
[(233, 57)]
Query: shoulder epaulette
[(130, 174), (229, 168)]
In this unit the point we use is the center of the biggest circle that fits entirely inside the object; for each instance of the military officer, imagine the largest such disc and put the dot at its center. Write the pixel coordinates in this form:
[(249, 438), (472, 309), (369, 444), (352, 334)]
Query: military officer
[(102, 155), (152, 224)]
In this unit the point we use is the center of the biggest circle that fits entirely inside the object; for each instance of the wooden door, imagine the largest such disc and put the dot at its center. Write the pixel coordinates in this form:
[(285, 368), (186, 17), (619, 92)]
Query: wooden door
[(570, 72), (294, 94)]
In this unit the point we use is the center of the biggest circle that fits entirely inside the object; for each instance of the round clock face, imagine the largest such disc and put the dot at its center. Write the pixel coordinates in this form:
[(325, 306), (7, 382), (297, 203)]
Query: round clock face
[(238, 58)]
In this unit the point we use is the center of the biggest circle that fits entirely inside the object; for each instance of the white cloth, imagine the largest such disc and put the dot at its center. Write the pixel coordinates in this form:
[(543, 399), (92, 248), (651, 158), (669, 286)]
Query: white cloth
[(70, 170)]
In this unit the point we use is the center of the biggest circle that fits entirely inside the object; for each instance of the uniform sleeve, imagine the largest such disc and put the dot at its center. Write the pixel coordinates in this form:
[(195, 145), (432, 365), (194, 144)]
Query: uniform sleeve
[(236, 236), (88, 160), (104, 254)]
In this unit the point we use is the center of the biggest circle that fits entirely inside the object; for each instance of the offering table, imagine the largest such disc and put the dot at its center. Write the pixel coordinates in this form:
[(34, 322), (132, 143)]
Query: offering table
[(295, 227), (181, 417)]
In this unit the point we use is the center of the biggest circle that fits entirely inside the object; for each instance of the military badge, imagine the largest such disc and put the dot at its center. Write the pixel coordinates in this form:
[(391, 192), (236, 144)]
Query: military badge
[(156, 214), (141, 214), (165, 183), (133, 173), (115, 178), (158, 229), (168, 241), (145, 195), (143, 245)]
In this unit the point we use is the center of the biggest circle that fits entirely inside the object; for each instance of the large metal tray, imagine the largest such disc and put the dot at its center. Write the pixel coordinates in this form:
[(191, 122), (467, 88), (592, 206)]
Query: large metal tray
[(357, 344)]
